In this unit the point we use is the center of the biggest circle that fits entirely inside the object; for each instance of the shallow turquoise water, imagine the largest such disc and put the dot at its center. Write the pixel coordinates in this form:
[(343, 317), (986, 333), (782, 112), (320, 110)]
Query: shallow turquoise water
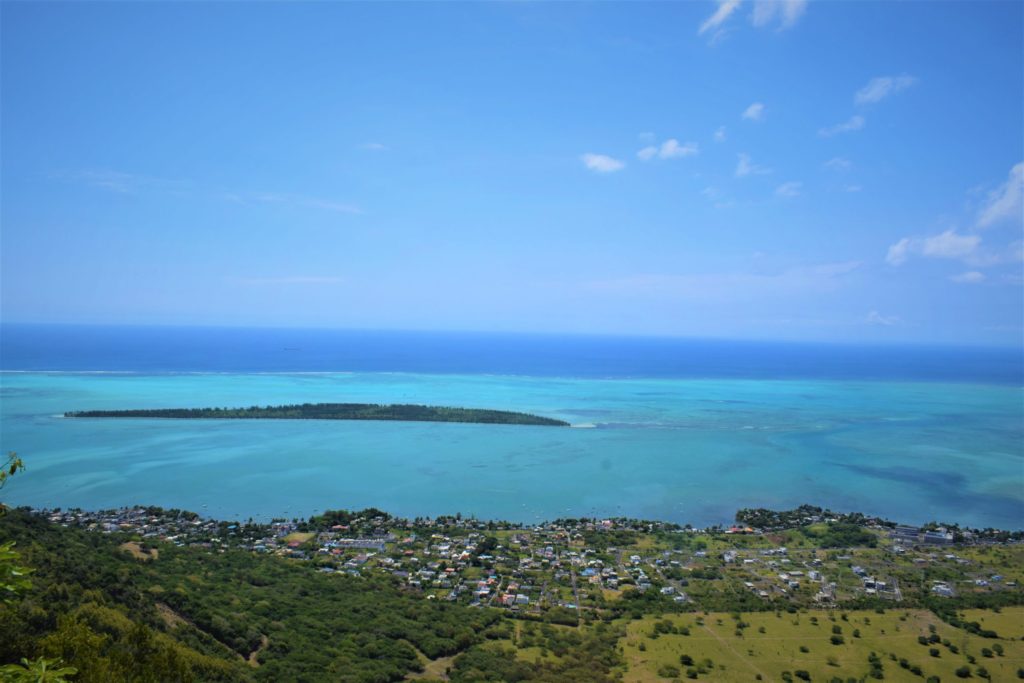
[(685, 450)]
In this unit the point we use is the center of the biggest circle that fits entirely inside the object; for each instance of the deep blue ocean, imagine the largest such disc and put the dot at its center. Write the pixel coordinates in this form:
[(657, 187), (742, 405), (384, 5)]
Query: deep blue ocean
[(210, 349), (682, 430)]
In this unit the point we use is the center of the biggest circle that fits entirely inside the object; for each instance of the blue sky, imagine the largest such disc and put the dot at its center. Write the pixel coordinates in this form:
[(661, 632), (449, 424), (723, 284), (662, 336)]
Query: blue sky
[(792, 170)]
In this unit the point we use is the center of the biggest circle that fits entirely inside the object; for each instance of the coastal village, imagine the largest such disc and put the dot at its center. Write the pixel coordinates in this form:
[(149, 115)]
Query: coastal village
[(571, 570)]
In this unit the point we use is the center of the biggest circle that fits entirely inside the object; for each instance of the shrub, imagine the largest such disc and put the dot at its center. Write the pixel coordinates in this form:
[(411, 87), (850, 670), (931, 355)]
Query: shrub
[(934, 651), (802, 675), (836, 640), (963, 672), (804, 648), (669, 671)]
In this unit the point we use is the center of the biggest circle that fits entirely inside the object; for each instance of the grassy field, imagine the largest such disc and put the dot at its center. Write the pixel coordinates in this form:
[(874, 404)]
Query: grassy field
[(1008, 622), (778, 642)]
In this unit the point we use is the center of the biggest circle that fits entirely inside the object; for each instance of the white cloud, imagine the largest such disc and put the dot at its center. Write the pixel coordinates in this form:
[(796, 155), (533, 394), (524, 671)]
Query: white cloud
[(789, 189), (971, 277), (838, 164), (948, 245), (720, 134), (599, 163), (876, 318), (725, 9), (373, 146), (852, 188), (670, 149), (1005, 202), (754, 112), (646, 137), (648, 153), (879, 88), (897, 253), (745, 167), (787, 12), (855, 122)]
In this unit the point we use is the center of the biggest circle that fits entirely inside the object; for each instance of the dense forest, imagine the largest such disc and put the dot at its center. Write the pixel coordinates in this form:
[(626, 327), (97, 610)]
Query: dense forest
[(335, 411)]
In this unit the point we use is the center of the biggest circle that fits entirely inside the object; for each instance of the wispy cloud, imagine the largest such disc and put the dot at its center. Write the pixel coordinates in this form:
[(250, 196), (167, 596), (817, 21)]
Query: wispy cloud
[(789, 189), (876, 318), (971, 277), (946, 245), (717, 197), (1005, 202), (754, 112), (852, 188), (783, 13), (879, 88), (119, 181), (745, 167), (647, 153), (722, 12), (600, 163), (373, 146), (298, 200), (855, 122), (720, 134), (670, 149), (838, 164)]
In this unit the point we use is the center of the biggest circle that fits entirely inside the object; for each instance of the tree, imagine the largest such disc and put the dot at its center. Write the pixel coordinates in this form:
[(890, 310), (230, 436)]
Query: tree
[(39, 671), (13, 577), (9, 469)]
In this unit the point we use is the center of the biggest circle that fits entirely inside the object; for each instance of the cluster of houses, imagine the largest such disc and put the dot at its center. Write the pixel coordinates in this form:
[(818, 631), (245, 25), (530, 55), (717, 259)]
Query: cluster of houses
[(559, 564)]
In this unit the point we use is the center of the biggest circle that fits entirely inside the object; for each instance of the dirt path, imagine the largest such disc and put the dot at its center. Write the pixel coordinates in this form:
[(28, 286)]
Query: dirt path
[(252, 658)]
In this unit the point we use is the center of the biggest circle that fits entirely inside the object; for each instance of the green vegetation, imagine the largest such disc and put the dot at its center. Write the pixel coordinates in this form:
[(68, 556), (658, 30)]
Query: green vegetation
[(887, 650), (335, 411), (147, 594)]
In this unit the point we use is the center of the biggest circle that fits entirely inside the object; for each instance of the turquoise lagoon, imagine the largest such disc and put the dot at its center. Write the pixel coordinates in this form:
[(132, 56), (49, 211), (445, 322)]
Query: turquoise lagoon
[(688, 450)]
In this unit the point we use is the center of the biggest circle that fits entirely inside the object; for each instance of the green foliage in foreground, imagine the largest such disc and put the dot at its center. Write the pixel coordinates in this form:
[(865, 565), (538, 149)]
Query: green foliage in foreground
[(99, 610), (197, 614), (336, 411)]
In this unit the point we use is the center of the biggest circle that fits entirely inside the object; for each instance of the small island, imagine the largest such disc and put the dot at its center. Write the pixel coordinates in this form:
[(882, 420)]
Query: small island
[(335, 411)]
